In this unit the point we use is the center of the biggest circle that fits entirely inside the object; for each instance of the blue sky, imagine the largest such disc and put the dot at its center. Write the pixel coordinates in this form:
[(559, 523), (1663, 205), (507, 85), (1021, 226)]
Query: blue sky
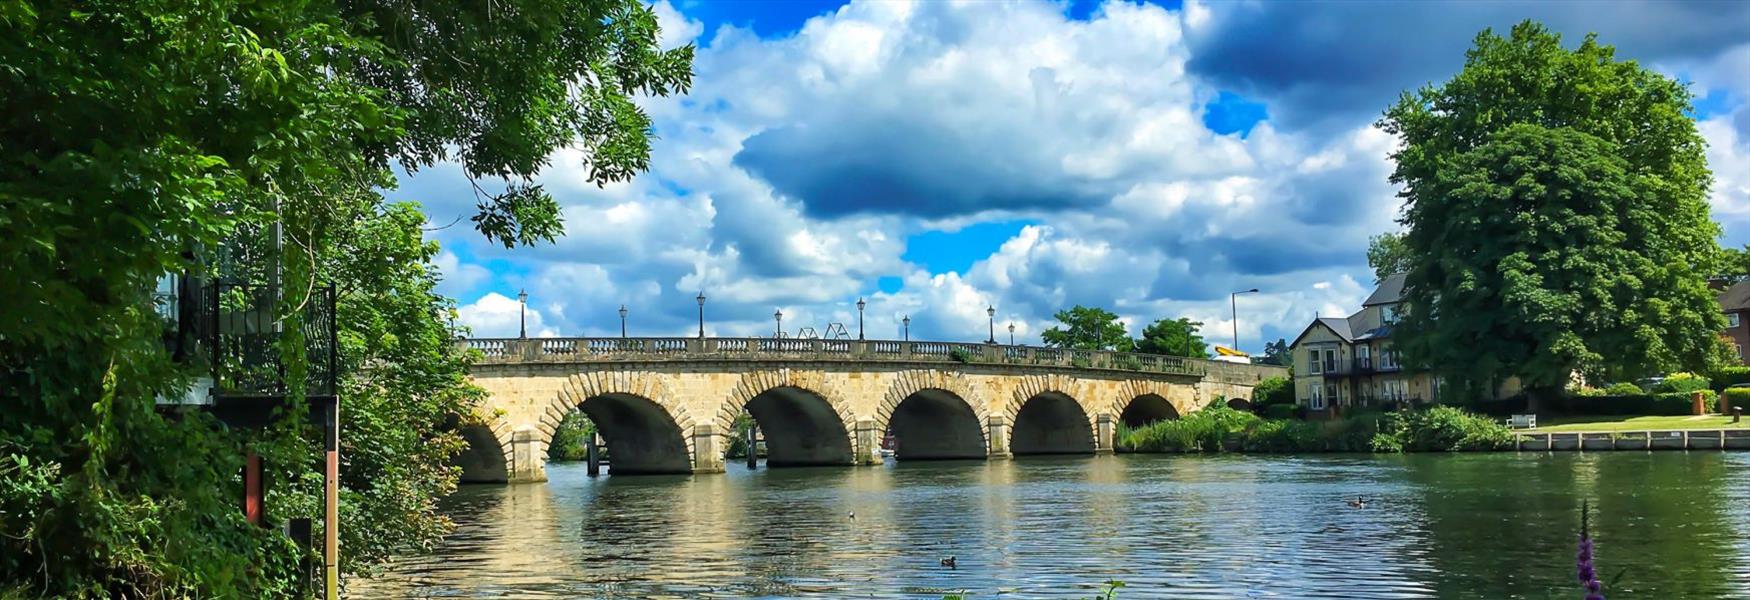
[(937, 158)]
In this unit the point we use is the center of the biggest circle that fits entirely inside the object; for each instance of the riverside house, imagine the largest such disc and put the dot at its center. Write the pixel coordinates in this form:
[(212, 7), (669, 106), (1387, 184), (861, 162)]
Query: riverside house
[(1340, 362), (1735, 302)]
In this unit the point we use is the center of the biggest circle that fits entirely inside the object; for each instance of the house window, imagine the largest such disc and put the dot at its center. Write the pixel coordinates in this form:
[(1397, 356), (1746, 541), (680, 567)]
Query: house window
[(1732, 320), (1330, 360), (1391, 314), (1363, 357), (1316, 401), (1739, 349), (1313, 358)]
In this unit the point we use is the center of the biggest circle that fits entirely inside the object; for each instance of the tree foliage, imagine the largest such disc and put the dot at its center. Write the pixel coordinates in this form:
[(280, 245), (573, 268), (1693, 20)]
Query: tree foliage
[(1173, 337), (1278, 353), (1388, 255), (1088, 329), (1555, 205), (139, 134)]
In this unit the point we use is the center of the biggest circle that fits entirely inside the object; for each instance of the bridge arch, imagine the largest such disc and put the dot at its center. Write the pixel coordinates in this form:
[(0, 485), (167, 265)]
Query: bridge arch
[(646, 428), (1047, 416), (1142, 402), (933, 414), (804, 417)]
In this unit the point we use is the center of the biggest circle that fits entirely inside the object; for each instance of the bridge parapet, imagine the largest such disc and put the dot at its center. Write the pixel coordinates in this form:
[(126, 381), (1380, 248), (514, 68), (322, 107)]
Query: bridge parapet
[(568, 350)]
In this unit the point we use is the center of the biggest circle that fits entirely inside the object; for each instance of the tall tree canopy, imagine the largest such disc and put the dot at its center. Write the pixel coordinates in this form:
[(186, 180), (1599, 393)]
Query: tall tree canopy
[(1278, 353), (1555, 205), (1088, 329), (1388, 255), (138, 135), (1173, 337)]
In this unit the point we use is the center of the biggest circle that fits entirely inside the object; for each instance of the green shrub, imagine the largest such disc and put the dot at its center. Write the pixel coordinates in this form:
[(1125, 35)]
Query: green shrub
[(960, 355), (1726, 377), (1273, 391), (1681, 383), (1279, 411), (571, 438), (1739, 397), (1439, 429), (1623, 389)]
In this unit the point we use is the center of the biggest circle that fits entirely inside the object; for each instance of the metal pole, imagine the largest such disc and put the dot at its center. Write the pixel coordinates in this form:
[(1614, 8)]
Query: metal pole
[(522, 298), (331, 504), (701, 300), (622, 321), (1233, 304), (991, 311)]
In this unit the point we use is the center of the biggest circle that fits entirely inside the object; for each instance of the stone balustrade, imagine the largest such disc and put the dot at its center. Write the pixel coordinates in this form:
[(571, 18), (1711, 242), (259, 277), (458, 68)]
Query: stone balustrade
[(537, 350)]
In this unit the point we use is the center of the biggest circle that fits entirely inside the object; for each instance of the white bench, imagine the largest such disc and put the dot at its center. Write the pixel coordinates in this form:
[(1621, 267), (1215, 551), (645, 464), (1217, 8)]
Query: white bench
[(1522, 422)]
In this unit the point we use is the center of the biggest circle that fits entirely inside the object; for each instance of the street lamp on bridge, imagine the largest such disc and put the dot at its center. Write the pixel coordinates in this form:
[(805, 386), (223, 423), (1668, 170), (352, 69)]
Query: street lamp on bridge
[(1233, 304), (991, 311), (907, 324), (859, 319), (522, 300), (701, 300), (779, 315), (1011, 333), (622, 321)]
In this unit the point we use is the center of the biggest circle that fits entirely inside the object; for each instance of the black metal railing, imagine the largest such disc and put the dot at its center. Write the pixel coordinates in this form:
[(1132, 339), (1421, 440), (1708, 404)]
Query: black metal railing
[(236, 330)]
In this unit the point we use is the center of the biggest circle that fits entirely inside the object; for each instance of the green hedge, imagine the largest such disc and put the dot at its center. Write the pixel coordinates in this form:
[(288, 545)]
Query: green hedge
[(1218, 429), (1681, 383), (1726, 377), (1273, 391), (1739, 397), (1668, 403)]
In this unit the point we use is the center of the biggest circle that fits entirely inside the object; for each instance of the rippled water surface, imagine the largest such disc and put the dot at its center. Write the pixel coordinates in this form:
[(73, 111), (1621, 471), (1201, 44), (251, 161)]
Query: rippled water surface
[(1668, 525)]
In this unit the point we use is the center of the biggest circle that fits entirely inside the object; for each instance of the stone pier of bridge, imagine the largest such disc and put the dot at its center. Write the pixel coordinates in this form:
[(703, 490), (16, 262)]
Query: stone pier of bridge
[(668, 405)]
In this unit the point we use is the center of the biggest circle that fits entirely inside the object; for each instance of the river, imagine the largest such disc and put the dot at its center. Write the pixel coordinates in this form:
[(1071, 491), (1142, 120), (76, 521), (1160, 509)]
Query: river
[(1667, 525)]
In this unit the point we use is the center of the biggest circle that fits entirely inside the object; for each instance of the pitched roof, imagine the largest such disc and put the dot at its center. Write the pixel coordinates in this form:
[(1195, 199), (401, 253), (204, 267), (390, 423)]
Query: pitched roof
[(1338, 326), (1390, 291), (1736, 297)]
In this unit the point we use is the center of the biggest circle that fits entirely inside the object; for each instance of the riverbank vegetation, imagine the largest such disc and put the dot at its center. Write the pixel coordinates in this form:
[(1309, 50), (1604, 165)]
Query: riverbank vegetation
[(1218, 428), (152, 139), (571, 438)]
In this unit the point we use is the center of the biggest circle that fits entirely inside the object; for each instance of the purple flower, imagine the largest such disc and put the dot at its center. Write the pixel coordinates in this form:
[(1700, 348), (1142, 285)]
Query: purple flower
[(1583, 562)]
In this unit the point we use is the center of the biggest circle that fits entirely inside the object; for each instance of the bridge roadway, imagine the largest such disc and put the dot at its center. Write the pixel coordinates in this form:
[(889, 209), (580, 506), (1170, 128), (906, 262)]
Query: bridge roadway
[(667, 405)]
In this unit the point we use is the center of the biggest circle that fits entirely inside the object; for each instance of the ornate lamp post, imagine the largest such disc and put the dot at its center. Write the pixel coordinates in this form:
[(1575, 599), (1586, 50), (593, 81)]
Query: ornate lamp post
[(522, 299), (1011, 333), (1233, 304), (991, 311), (622, 321), (907, 322), (859, 319), (779, 315), (701, 300)]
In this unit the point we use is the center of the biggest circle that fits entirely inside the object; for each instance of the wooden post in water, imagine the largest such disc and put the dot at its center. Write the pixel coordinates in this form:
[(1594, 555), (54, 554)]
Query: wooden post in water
[(595, 457), (753, 449)]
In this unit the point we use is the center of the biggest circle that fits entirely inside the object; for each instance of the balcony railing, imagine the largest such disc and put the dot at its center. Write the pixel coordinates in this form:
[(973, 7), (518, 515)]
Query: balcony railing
[(233, 331), (523, 350)]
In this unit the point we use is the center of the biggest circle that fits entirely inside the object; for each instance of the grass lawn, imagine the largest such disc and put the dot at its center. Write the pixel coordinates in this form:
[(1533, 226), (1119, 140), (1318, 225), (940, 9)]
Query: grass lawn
[(1629, 423)]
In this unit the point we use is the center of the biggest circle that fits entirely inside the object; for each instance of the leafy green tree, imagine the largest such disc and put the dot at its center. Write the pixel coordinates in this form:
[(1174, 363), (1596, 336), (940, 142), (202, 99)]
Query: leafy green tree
[(571, 438), (139, 136), (1088, 329), (1388, 255), (1277, 353), (1173, 338), (1556, 209), (1734, 263)]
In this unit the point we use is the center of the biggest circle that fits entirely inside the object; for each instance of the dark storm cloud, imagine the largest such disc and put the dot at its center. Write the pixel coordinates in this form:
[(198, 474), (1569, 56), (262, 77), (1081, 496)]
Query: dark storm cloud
[(904, 168), (1334, 64)]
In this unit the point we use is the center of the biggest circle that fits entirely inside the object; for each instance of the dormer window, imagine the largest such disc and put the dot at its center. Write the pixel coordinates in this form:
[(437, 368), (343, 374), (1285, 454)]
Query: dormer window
[(1390, 314)]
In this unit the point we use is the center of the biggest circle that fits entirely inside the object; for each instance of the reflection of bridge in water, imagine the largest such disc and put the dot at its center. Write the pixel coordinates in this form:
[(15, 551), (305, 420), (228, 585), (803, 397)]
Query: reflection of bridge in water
[(667, 405)]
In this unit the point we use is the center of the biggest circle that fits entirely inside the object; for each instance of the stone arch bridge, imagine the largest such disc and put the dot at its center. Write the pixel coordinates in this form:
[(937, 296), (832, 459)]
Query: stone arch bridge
[(667, 405)]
